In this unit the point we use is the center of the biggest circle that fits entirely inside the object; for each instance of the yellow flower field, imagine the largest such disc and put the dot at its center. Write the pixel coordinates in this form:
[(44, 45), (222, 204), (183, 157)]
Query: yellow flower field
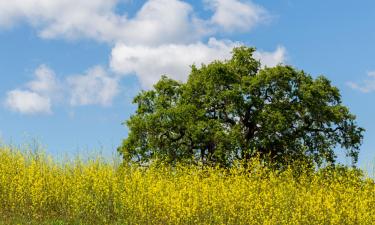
[(35, 189)]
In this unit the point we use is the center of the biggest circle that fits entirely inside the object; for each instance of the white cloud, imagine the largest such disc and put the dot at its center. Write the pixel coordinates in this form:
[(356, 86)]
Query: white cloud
[(271, 59), (157, 21), (94, 87), (27, 102), (38, 96), (149, 63), (236, 15), (68, 18), (366, 86), (45, 82), (163, 21), (163, 37)]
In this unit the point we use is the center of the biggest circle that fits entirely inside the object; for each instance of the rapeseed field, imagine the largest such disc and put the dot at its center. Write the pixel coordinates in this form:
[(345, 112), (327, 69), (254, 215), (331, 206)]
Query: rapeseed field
[(35, 189)]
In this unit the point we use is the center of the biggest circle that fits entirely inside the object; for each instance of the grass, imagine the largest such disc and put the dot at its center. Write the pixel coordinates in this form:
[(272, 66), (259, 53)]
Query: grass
[(35, 189)]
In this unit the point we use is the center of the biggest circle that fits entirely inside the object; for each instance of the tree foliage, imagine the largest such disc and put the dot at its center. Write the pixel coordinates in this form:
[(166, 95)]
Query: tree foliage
[(235, 109)]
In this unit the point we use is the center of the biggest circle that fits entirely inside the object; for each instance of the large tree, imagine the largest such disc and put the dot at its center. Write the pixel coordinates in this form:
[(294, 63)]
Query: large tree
[(236, 109)]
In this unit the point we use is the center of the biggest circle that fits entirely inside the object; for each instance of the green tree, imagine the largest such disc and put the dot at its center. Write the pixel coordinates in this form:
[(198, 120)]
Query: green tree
[(235, 109)]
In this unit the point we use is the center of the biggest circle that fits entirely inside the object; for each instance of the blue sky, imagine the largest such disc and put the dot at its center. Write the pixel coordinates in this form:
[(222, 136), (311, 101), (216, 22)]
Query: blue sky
[(69, 69)]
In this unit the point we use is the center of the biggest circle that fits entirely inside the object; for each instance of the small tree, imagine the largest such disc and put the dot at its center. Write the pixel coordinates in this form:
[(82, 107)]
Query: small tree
[(234, 109)]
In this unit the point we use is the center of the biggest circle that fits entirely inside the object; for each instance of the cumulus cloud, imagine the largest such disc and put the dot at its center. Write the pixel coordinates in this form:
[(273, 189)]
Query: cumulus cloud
[(271, 59), (163, 37), (45, 81), (366, 86), (232, 15), (149, 63), (27, 102), (163, 21), (157, 21), (37, 95), (68, 18), (94, 87)]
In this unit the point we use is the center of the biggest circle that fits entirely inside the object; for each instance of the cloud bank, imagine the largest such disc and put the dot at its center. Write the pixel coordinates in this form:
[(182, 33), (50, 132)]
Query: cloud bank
[(27, 102), (149, 63), (95, 87), (156, 22), (163, 37), (232, 15)]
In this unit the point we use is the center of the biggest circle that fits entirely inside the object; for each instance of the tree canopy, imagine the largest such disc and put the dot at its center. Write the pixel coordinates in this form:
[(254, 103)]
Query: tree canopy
[(236, 109)]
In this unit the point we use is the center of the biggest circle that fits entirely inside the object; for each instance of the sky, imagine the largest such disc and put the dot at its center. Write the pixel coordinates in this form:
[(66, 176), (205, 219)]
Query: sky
[(70, 68)]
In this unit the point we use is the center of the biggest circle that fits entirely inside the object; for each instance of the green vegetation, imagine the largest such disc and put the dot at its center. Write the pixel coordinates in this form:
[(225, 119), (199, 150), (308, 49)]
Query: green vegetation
[(34, 189), (235, 110)]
